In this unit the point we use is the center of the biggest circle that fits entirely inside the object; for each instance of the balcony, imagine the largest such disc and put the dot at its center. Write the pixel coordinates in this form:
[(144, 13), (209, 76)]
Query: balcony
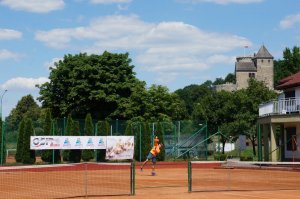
[(279, 107)]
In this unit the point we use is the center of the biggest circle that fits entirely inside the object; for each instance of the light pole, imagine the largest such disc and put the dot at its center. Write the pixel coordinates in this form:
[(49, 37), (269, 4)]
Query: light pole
[(2, 129)]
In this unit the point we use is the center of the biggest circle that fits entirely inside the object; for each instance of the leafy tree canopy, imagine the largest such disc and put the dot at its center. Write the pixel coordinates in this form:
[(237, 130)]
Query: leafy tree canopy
[(96, 84), (288, 66), (26, 107)]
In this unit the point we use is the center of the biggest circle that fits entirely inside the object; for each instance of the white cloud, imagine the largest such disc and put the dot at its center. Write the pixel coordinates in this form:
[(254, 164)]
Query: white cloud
[(37, 6), (289, 21), (8, 34), (224, 2), (5, 54), (163, 48), (109, 1), (21, 83)]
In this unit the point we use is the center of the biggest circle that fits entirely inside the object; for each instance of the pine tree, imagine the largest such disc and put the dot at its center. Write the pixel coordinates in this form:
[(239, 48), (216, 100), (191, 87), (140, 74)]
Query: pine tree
[(20, 143), (102, 130), (69, 126), (47, 154), (28, 155), (2, 145), (54, 129), (88, 131), (75, 154)]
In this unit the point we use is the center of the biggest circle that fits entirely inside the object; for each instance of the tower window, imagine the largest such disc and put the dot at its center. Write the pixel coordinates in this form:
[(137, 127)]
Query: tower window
[(262, 61), (252, 75), (268, 60)]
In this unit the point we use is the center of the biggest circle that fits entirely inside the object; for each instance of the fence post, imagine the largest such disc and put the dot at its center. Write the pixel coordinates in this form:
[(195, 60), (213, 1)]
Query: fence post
[(140, 142), (189, 176), (132, 178), (206, 145), (259, 143), (53, 151)]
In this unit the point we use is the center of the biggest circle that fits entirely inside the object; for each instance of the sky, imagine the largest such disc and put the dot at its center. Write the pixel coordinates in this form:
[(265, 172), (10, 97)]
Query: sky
[(174, 43)]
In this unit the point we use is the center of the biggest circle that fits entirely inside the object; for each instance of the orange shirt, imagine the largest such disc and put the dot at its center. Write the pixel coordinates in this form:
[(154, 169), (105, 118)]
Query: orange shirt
[(155, 150)]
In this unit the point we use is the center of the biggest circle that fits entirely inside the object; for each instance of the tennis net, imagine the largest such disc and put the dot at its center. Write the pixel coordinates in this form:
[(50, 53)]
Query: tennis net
[(67, 181), (248, 176)]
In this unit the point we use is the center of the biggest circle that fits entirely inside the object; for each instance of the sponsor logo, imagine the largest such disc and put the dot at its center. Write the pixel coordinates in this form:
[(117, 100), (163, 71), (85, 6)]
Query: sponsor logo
[(90, 142), (100, 143), (67, 142), (42, 141), (78, 142)]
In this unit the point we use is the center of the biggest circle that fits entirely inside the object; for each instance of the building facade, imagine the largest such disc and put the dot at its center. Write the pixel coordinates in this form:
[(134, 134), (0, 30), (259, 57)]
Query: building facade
[(279, 122)]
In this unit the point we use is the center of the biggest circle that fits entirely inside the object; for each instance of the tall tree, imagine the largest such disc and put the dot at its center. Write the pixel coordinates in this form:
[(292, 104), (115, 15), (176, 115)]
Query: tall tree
[(20, 144), (218, 109), (102, 130), (28, 156), (290, 64), (47, 154), (75, 154), (190, 94), (96, 84), (55, 131), (88, 131), (247, 102), (160, 101), (69, 128), (26, 107), (2, 141)]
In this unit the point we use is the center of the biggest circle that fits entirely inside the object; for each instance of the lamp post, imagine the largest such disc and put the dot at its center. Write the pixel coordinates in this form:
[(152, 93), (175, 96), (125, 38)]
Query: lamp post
[(2, 129)]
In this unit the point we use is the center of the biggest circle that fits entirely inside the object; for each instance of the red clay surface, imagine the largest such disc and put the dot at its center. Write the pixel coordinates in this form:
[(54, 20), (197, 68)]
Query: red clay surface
[(171, 181)]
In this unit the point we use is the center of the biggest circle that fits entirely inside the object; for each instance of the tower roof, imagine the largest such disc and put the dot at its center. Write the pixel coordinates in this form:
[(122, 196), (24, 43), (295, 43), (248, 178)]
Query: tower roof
[(263, 53), (245, 67)]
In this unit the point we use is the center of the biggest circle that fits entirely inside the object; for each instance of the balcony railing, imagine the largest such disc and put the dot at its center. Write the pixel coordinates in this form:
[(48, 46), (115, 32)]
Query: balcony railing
[(282, 106)]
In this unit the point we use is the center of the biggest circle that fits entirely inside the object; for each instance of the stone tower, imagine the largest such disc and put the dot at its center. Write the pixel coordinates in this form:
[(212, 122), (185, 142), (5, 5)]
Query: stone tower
[(260, 66), (265, 67)]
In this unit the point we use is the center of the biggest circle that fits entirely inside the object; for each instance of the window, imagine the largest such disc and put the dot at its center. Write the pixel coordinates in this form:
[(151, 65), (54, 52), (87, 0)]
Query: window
[(289, 94), (252, 75), (290, 139), (262, 61)]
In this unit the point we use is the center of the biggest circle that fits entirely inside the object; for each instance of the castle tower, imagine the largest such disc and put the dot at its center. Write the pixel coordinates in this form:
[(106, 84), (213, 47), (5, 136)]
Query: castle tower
[(263, 61), (260, 66)]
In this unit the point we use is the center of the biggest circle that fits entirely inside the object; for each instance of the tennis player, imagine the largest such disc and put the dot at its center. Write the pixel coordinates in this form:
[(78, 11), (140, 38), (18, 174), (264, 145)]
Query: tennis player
[(152, 155)]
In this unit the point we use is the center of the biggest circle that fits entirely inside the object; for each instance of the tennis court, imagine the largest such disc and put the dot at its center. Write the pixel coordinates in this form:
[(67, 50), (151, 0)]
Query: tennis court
[(209, 180)]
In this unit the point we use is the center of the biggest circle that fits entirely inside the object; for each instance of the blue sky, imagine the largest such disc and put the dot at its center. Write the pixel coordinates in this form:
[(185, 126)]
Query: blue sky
[(173, 43)]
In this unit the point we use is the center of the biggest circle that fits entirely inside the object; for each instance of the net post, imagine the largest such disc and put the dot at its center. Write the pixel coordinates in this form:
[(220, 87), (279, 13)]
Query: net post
[(259, 144), (86, 179), (132, 178), (189, 176)]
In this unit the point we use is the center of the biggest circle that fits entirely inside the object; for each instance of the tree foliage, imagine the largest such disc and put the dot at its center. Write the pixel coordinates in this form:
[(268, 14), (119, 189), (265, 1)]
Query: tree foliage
[(190, 94), (96, 84), (2, 141), (88, 131), (68, 132), (26, 107), (288, 66), (28, 156), (20, 145), (75, 154), (46, 155), (102, 130)]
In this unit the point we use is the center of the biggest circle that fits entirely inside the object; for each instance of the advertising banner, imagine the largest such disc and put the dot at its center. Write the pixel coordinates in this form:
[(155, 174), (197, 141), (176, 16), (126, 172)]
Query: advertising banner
[(120, 147), (67, 142)]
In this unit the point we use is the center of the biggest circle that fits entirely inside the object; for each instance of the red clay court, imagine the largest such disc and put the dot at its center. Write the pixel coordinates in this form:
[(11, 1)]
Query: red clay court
[(93, 180)]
